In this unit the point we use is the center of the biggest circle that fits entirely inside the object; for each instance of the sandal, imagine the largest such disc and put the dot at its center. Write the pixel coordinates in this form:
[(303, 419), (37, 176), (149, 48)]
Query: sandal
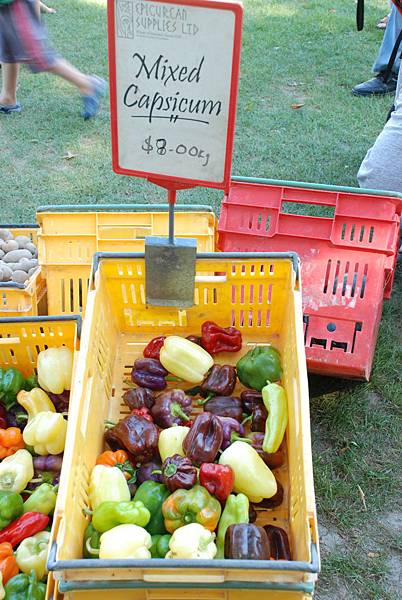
[(7, 109), (382, 23)]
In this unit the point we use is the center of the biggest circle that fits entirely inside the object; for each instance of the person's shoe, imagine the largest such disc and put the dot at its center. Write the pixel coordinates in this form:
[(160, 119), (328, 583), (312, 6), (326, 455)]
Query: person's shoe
[(93, 100), (376, 86), (7, 109)]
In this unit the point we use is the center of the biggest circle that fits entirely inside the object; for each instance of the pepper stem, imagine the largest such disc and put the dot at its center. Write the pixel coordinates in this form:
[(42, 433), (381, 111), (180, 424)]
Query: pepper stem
[(109, 424), (87, 512), (247, 419), (205, 400), (90, 549), (235, 437), (172, 378), (170, 470), (177, 411)]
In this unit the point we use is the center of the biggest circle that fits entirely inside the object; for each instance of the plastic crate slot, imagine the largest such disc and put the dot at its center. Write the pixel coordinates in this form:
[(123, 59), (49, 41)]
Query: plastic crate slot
[(343, 231), (215, 295), (339, 345), (269, 294), (345, 278), (338, 268), (318, 342), (259, 221), (268, 223), (233, 294), (206, 295), (142, 293), (242, 294), (72, 295), (364, 281), (133, 293), (259, 318), (251, 292), (327, 272), (4, 299), (250, 221), (197, 297), (268, 318), (358, 328), (13, 358), (62, 296), (354, 282), (361, 236), (260, 293), (271, 269), (233, 319), (306, 320), (371, 235), (241, 318), (262, 270), (80, 295), (124, 293), (352, 232)]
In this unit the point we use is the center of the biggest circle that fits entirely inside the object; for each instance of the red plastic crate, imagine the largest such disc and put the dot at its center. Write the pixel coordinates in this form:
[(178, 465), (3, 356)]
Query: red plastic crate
[(348, 258)]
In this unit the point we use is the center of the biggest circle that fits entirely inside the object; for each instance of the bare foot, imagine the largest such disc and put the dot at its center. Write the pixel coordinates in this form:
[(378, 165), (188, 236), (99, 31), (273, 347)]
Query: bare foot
[(46, 9)]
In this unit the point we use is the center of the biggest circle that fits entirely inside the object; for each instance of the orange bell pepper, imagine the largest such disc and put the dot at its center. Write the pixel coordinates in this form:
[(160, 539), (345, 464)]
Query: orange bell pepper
[(117, 459), (11, 440), (8, 563)]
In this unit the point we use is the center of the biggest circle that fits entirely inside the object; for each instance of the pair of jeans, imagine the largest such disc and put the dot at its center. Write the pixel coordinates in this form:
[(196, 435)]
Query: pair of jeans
[(391, 33)]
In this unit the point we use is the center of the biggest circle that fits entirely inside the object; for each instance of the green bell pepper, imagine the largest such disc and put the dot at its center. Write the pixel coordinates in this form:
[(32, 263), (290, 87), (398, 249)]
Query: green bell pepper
[(235, 511), (111, 514), (160, 545), (91, 542), (259, 365), (42, 500), (11, 507), (153, 495), (11, 382), (25, 587), (30, 383)]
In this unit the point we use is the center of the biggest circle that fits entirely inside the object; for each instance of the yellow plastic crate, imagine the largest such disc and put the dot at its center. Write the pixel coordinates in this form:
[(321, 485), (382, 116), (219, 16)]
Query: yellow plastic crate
[(20, 300), (21, 340), (260, 295), (69, 236)]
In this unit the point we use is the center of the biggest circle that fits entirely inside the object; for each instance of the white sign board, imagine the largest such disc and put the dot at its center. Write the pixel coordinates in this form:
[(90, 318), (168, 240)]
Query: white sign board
[(174, 75)]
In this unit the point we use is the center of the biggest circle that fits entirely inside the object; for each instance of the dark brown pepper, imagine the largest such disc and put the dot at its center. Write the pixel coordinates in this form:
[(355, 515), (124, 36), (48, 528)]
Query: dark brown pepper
[(274, 501), (221, 380), (274, 460), (136, 435), (225, 406), (139, 398), (204, 439), (249, 399), (259, 417), (278, 543), (245, 541), (178, 473)]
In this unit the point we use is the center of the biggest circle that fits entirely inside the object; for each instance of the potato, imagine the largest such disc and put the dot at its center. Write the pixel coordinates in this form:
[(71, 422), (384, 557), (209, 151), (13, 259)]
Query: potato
[(7, 273), (16, 255), (13, 266), (22, 240), (5, 234), (2, 253), (26, 264), (32, 248), (32, 271), (10, 245), (19, 276)]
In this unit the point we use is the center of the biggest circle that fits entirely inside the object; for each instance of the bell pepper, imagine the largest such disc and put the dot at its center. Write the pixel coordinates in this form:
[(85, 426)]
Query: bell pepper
[(46, 432), (171, 441), (217, 479), (30, 383), (185, 359), (125, 541), (249, 398), (192, 541), (25, 526), (25, 587), (196, 339), (151, 471), (11, 382), (117, 459), (149, 373), (172, 408), (32, 554), (34, 402), (278, 542), (259, 365), (245, 541), (2, 590), (16, 416), (274, 460), (274, 397), (236, 511), (111, 514), (258, 417), (178, 473), (8, 564), (217, 339), (3, 417), (55, 368), (136, 435), (191, 506), (16, 471), (11, 440), (204, 439), (42, 500), (91, 543), (225, 406), (61, 401), (160, 545), (139, 397), (11, 507), (153, 495), (153, 348), (274, 501), (252, 476), (232, 431), (220, 381), (107, 484)]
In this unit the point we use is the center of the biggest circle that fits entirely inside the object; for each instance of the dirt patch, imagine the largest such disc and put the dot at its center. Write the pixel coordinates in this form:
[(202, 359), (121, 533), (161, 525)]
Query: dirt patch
[(337, 591), (330, 540), (374, 400)]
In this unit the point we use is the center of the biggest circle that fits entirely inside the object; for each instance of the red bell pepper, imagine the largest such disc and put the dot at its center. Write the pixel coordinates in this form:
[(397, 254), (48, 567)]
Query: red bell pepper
[(220, 339), (153, 348), (26, 526), (217, 479)]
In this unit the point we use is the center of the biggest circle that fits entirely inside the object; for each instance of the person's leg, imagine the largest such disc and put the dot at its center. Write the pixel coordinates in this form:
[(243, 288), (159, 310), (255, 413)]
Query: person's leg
[(8, 94), (380, 169), (64, 69)]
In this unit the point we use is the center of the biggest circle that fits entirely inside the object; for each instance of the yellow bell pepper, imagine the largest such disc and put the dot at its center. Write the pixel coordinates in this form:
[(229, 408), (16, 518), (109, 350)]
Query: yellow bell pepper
[(46, 432), (185, 359), (55, 367), (125, 541), (34, 402), (16, 471), (107, 484), (252, 476), (171, 441), (32, 554), (192, 541), (2, 590), (275, 400)]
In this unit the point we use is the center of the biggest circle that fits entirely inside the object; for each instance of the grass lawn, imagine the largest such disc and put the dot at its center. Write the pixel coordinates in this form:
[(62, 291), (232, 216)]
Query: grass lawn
[(304, 52)]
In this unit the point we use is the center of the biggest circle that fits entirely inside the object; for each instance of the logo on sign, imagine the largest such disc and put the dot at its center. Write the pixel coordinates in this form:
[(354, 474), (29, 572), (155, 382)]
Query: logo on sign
[(125, 21)]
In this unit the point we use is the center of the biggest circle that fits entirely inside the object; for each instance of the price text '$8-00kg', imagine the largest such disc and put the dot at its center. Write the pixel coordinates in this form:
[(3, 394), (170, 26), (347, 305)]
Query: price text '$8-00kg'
[(160, 147)]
